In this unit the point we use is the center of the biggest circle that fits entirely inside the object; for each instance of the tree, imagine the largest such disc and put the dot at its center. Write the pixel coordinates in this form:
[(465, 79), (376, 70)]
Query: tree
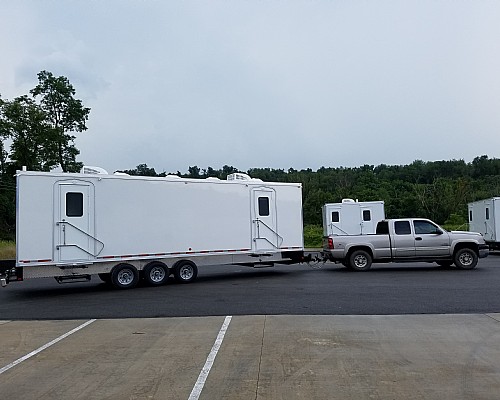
[(64, 113), (24, 122)]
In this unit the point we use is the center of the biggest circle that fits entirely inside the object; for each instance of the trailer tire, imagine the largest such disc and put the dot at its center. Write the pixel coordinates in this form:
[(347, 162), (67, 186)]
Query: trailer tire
[(155, 273), (465, 258), (360, 260), (185, 271), (124, 276)]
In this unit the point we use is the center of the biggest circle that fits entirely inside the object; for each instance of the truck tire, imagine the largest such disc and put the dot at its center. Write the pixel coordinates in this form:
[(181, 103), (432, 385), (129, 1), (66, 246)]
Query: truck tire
[(185, 271), (155, 273), (124, 276), (360, 260), (465, 258)]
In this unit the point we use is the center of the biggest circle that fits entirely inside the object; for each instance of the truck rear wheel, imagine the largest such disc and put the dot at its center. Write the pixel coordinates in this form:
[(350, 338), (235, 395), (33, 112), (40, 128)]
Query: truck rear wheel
[(155, 273), (185, 271), (360, 260), (465, 258), (124, 276)]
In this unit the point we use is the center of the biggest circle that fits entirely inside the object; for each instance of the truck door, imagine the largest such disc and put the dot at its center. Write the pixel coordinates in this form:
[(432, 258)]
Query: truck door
[(430, 241), (403, 241), (264, 225), (74, 226)]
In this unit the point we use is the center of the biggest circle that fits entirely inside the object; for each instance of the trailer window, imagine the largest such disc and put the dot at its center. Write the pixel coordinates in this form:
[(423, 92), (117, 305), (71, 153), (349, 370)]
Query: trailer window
[(263, 206), (487, 213), (335, 216), (470, 215), (367, 215), (74, 204), (402, 227)]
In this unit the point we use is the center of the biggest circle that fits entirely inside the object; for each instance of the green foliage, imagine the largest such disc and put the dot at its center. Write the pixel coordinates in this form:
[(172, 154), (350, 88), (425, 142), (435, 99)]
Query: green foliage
[(313, 236), (7, 250)]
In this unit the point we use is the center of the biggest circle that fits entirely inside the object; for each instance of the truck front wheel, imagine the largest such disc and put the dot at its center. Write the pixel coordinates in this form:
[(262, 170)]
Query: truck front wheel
[(360, 260), (465, 258)]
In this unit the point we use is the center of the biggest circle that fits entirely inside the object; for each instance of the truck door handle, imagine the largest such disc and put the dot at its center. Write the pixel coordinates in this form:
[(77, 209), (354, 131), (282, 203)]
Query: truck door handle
[(418, 238)]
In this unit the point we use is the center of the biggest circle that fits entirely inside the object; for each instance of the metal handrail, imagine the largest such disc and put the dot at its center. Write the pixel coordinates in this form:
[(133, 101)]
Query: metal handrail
[(278, 236), (75, 245)]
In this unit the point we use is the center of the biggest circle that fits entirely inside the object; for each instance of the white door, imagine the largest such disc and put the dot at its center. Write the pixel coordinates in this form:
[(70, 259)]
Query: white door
[(74, 223), (489, 221), (367, 222), (264, 224)]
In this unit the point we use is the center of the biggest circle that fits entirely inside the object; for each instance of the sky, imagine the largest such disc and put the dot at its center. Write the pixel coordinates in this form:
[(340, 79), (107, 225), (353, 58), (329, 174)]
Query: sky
[(265, 83)]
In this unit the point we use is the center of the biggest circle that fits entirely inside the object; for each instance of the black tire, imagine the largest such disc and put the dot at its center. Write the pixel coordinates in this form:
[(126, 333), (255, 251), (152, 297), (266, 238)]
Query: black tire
[(124, 276), (360, 260), (185, 271), (465, 258), (155, 273), (106, 278)]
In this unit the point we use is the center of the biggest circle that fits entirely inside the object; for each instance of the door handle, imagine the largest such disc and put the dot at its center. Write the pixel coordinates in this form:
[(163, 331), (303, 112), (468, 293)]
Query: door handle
[(418, 238)]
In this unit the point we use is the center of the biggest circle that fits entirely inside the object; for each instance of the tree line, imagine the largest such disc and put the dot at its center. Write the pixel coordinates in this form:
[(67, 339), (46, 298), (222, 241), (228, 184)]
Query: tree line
[(438, 190)]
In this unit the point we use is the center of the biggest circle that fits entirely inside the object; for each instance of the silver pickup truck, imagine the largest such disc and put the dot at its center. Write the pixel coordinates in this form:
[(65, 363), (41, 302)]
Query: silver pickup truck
[(400, 240)]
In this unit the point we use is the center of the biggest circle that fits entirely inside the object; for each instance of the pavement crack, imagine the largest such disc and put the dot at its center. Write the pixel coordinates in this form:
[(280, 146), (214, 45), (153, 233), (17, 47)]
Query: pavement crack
[(260, 359)]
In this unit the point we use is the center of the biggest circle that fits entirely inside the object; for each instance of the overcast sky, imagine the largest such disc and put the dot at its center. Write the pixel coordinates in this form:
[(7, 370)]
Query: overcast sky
[(266, 83)]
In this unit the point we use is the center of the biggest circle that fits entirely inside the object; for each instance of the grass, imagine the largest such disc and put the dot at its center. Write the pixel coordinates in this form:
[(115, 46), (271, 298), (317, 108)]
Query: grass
[(7, 249)]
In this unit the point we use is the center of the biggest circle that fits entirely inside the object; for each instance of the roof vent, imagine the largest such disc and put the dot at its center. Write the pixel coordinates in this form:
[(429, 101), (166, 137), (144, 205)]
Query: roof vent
[(238, 176), (93, 170)]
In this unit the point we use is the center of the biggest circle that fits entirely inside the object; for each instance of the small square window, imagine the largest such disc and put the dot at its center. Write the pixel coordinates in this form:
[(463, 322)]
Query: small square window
[(367, 215), (335, 216), (264, 206), (74, 204)]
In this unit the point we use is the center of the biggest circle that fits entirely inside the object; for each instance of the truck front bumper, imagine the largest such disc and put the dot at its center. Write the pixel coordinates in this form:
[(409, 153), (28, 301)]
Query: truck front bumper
[(484, 250)]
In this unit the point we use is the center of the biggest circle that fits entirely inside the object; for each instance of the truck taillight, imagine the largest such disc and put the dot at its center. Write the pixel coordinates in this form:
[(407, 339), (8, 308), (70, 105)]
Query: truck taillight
[(330, 243)]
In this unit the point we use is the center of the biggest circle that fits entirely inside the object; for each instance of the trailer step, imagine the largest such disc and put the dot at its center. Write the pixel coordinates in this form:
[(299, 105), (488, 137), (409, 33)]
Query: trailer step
[(72, 278)]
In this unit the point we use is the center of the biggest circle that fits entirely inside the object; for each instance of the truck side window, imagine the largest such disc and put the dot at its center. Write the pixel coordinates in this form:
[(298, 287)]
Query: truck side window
[(367, 215), (263, 206), (425, 228), (74, 204), (402, 227), (335, 216), (383, 228)]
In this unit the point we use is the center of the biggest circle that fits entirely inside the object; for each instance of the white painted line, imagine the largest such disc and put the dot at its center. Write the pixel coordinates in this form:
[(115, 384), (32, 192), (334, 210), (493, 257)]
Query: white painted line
[(198, 387), (45, 346)]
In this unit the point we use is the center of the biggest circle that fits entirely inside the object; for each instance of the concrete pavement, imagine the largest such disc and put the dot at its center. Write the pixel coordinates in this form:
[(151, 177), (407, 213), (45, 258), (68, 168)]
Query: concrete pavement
[(260, 357)]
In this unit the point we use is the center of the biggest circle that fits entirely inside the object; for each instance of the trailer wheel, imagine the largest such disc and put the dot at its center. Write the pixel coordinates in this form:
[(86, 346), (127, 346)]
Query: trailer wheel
[(155, 273), (360, 260), (124, 276), (185, 271), (465, 258)]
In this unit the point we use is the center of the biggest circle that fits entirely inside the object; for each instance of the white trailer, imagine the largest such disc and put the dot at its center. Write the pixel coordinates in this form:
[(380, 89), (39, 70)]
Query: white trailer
[(352, 217), (74, 225), (484, 217)]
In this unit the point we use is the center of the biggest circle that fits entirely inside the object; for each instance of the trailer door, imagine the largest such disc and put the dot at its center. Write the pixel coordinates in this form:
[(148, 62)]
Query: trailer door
[(264, 225), (74, 227)]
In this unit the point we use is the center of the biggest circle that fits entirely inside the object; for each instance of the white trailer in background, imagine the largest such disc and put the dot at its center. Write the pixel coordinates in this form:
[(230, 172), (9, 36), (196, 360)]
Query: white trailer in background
[(352, 217), (74, 225), (484, 217)]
